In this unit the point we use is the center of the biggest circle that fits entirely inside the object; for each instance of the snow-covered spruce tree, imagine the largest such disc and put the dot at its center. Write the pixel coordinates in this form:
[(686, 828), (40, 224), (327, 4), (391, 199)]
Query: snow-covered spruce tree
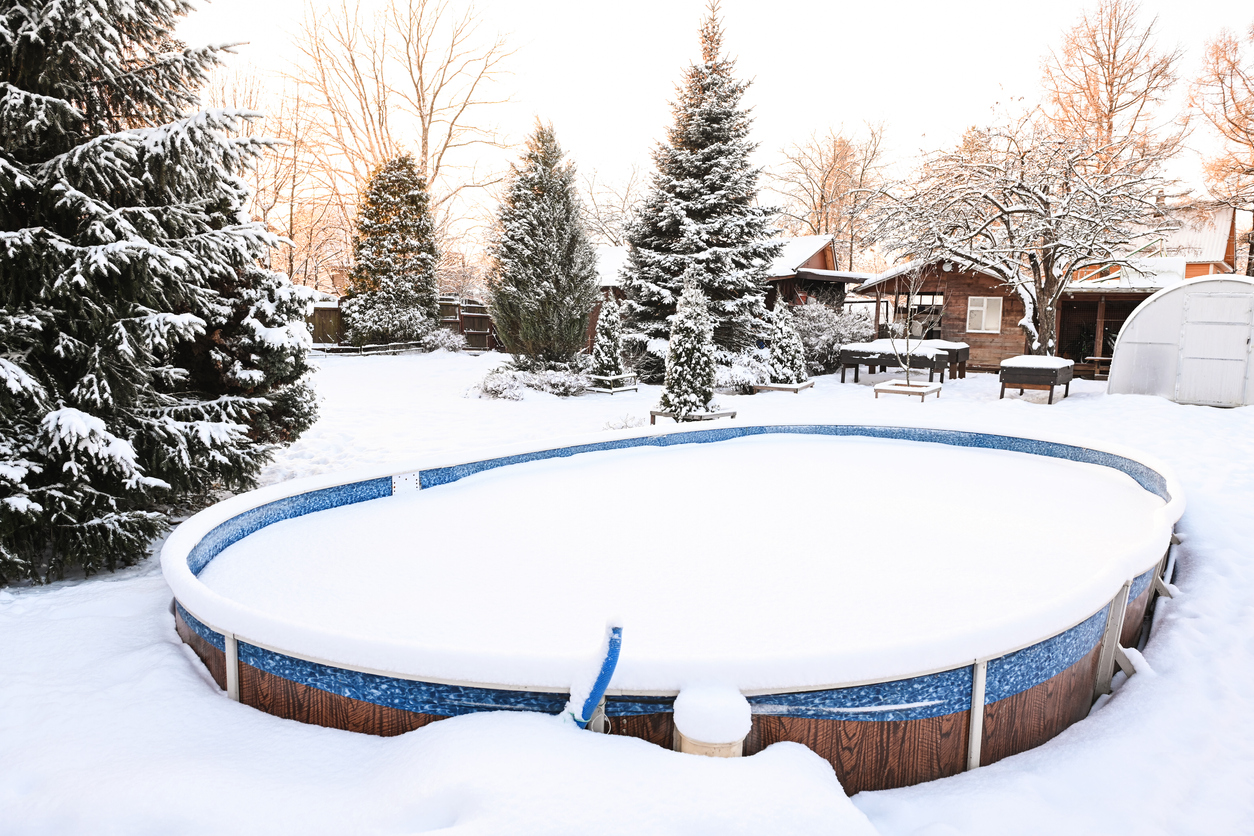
[(607, 347), (788, 359), (690, 358), (125, 249), (393, 292), (699, 222), (543, 280)]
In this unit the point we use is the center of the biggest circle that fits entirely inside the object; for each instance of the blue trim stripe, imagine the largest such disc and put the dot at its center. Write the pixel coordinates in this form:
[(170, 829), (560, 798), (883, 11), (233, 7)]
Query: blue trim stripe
[(1141, 583), (1017, 672), (239, 527), (1146, 477), (933, 695), (406, 694), (199, 628)]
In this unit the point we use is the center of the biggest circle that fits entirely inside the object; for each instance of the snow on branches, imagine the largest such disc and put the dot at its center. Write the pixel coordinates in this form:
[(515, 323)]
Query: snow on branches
[(690, 358), (1028, 206)]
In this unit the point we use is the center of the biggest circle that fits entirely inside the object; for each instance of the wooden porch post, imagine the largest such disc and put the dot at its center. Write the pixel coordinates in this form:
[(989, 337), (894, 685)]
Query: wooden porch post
[(1099, 337)]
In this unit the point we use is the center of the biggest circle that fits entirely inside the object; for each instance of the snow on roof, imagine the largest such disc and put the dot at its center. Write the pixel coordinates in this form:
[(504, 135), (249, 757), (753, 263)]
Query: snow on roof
[(796, 252), (1145, 274), (610, 260), (1202, 238)]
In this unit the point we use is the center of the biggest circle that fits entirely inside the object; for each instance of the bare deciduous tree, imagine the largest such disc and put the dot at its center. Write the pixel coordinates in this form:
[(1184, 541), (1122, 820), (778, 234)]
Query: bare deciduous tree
[(1028, 206), (1107, 81), (414, 64), (1224, 95), (827, 183), (607, 208)]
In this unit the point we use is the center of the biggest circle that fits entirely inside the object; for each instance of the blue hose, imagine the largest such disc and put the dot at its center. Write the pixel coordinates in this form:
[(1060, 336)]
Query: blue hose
[(603, 678)]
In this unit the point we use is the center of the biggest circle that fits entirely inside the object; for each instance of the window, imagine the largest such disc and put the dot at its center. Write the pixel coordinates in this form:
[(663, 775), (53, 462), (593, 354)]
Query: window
[(984, 314)]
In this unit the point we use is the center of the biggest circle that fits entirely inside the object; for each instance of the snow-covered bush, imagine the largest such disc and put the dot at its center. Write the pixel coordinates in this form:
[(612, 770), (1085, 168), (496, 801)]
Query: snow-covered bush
[(443, 339), (741, 372), (507, 383), (690, 358), (823, 330), (788, 363), (607, 348)]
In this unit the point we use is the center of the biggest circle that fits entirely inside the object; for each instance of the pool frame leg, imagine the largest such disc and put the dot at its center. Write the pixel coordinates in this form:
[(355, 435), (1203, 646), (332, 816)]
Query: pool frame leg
[(231, 646), (1110, 641), (975, 729)]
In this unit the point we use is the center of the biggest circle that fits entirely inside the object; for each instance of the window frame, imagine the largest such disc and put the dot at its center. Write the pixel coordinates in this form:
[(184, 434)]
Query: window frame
[(983, 309)]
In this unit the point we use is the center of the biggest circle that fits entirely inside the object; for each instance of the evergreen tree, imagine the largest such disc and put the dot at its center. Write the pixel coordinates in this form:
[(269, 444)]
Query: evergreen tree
[(393, 292), (137, 341), (690, 358), (607, 347), (543, 280), (699, 222), (788, 357)]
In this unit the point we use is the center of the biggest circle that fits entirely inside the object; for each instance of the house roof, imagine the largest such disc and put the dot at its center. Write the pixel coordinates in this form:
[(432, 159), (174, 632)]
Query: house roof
[(796, 252), (1203, 237), (1149, 274)]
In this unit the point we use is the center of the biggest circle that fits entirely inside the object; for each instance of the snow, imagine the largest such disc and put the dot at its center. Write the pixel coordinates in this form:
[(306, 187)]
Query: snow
[(610, 261), (712, 713), (794, 252), (1036, 361), (903, 610), (919, 348), (108, 724)]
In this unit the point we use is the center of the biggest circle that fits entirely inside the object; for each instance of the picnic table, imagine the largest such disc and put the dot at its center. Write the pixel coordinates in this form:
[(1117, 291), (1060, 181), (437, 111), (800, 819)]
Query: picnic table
[(1035, 371)]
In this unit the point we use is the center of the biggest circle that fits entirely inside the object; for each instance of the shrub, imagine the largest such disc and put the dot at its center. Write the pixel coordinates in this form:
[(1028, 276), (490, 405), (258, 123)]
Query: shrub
[(823, 330)]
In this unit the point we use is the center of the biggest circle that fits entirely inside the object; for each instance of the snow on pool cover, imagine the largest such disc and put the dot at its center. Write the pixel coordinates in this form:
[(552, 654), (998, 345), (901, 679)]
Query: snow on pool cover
[(831, 574), (764, 561)]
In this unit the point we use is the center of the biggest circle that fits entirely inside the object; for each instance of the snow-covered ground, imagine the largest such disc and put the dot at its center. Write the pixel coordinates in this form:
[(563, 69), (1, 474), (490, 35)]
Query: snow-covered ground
[(108, 724)]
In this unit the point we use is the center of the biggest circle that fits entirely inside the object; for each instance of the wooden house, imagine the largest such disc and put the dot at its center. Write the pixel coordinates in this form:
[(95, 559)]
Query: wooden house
[(967, 305), (806, 269)]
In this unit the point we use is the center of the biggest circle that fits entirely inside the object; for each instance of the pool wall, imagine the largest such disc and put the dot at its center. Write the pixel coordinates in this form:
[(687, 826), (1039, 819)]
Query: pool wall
[(877, 735)]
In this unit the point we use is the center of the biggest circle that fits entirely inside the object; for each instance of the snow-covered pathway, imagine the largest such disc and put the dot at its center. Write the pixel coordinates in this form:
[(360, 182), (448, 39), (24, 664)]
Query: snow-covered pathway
[(109, 725)]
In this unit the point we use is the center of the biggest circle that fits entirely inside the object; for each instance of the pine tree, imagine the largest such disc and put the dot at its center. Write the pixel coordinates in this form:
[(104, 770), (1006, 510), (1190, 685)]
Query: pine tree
[(543, 280), (137, 341), (699, 222), (788, 359), (393, 292), (690, 358), (607, 347)]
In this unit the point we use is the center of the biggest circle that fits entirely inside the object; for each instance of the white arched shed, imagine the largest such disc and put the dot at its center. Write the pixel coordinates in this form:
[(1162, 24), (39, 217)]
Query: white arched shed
[(1189, 342)]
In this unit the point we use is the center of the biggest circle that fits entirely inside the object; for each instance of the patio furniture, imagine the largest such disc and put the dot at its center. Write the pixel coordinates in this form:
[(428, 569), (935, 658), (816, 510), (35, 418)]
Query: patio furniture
[(1029, 371)]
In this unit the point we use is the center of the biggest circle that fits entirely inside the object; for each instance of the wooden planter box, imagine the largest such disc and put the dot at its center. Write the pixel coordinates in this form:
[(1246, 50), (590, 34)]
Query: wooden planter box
[(1028, 377), (900, 387), (795, 388), (609, 384)]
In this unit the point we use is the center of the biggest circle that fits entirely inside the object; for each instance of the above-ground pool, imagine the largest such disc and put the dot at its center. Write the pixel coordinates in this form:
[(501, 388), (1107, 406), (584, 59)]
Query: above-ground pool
[(862, 587)]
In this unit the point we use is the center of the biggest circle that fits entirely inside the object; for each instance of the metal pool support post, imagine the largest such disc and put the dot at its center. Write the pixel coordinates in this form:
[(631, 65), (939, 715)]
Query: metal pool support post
[(231, 646), (1110, 641), (975, 729)]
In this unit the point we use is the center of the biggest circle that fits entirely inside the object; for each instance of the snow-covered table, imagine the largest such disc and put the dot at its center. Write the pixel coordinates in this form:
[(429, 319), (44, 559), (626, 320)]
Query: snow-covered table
[(1034, 371), (654, 414), (893, 352)]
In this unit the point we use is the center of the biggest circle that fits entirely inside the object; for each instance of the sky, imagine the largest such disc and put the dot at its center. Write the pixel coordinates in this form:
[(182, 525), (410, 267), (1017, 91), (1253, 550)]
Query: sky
[(604, 73)]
